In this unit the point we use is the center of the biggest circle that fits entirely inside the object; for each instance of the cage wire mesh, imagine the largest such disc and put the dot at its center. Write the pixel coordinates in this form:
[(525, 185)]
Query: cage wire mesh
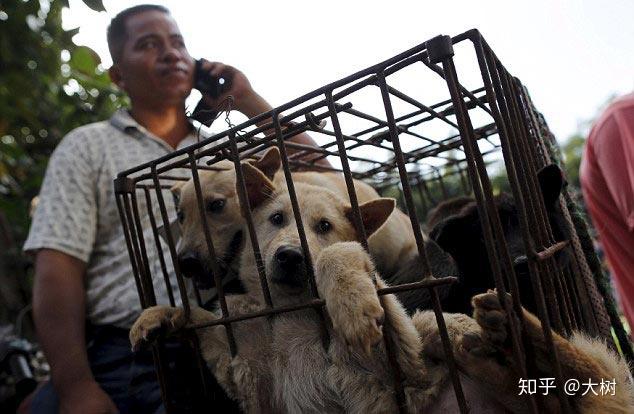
[(441, 120)]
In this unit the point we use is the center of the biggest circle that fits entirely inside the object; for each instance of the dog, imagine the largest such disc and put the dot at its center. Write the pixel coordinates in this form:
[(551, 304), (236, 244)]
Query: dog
[(456, 227), (393, 246), (445, 209), (282, 364)]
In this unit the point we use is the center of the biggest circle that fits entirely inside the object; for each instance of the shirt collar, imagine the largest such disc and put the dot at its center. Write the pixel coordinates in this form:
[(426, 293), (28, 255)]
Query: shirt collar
[(123, 121)]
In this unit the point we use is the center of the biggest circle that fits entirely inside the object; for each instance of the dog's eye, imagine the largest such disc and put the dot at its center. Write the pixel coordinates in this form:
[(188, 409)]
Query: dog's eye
[(181, 216), (277, 219), (216, 206), (324, 226)]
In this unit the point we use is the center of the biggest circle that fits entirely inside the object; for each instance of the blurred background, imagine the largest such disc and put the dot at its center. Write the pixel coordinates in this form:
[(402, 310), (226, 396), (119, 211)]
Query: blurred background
[(574, 57)]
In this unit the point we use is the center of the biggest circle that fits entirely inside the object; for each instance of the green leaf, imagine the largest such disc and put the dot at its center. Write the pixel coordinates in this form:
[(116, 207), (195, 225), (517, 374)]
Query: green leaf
[(72, 32), (83, 59), (96, 5)]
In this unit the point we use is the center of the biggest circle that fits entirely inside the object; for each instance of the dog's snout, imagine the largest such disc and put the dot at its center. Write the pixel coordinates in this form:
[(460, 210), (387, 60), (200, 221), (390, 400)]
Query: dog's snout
[(289, 258), (190, 265), (289, 269)]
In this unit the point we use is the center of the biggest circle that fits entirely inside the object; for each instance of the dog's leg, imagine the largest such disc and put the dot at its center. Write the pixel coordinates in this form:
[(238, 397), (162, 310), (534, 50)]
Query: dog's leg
[(480, 360), (163, 321), (433, 352), (346, 280), (344, 275), (580, 358), (233, 374)]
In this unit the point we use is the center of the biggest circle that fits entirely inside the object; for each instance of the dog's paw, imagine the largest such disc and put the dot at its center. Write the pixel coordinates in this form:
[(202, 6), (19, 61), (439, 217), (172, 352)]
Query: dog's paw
[(345, 276), (473, 345), (155, 322), (360, 322), (489, 313), (457, 325)]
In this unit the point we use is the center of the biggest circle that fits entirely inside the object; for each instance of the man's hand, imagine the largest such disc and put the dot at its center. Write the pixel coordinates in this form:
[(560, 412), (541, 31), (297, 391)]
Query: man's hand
[(245, 99), (86, 397)]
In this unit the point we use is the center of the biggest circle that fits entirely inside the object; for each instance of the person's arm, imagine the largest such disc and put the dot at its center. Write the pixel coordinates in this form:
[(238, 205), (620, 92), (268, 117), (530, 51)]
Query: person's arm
[(251, 104), (614, 151), (59, 309), (61, 237)]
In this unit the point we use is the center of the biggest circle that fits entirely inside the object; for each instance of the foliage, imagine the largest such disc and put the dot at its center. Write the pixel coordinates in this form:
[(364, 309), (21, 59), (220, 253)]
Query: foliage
[(48, 86), (572, 151)]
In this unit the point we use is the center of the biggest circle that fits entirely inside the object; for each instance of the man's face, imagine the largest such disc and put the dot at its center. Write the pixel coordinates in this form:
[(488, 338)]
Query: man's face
[(154, 68)]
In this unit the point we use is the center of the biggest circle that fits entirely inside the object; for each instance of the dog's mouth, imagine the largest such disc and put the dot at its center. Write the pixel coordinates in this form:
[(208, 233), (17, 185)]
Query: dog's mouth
[(205, 279), (201, 271), (233, 249), (295, 280)]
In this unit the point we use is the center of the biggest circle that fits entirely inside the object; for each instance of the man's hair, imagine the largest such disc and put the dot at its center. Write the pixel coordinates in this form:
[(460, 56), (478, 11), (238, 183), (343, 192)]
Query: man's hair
[(117, 30)]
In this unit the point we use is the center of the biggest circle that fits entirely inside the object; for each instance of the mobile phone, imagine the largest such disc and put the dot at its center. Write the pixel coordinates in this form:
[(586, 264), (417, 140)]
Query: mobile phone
[(207, 84), (211, 86)]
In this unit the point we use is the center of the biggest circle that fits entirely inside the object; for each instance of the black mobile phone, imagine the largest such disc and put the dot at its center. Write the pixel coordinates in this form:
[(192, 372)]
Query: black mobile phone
[(211, 86), (208, 84)]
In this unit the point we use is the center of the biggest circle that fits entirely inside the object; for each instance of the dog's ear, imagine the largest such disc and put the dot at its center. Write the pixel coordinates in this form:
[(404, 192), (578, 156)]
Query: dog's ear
[(177, 187), (269, 163), (259, 187), (373, 213), (552, 182), (457, 233)]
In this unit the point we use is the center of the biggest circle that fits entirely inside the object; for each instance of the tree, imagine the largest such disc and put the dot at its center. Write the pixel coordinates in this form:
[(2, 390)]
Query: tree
[(572, 151), (48, 86)]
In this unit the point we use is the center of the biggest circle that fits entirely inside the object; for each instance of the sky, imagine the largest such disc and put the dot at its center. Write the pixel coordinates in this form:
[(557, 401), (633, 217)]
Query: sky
[(572, 55)]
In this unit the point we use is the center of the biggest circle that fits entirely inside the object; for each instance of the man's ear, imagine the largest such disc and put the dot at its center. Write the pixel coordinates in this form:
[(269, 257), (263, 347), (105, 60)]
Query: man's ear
[(269, 163), (259, 187), (552, 182), (373, 213), (115, 76)]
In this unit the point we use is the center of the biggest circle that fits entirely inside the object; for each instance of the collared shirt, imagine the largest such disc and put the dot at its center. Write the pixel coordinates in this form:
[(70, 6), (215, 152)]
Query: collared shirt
[(607, 180), (77, 213)]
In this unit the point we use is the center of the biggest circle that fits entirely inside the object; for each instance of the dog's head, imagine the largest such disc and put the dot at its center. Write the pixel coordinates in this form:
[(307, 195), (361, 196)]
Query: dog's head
[(221, 208), (461, 235), (326, 219)]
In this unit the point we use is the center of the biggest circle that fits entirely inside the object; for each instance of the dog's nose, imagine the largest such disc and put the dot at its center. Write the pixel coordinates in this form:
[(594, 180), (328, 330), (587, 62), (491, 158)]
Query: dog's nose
[(289, 258), (190, 265)]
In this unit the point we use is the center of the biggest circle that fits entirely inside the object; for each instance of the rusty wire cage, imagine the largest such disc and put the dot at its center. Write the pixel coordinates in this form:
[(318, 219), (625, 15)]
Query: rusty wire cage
[(459, 111)]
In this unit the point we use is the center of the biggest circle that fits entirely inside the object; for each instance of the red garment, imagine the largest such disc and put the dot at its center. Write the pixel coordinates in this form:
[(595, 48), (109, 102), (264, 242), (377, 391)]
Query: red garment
[(607, 180)]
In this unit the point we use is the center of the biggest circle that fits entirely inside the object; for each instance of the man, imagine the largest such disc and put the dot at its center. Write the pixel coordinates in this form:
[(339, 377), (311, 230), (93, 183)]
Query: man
[(607, 180), (83, 276)]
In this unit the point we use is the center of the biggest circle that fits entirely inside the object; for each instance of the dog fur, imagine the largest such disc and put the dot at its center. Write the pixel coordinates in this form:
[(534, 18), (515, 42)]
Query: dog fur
[(393, 246), (282, 365)]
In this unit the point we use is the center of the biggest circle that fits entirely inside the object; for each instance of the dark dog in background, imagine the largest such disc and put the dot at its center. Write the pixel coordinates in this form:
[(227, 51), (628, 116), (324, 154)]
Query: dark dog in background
[(457, 229), (446, 208)]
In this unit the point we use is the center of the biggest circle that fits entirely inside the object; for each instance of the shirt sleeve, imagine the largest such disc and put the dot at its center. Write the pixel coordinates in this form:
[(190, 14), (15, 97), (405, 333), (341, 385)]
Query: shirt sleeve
[(65, 218), (614, 150)]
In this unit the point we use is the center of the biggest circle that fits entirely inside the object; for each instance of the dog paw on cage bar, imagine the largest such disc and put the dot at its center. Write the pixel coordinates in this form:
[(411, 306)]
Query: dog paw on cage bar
[(345, 278), (154, 323)]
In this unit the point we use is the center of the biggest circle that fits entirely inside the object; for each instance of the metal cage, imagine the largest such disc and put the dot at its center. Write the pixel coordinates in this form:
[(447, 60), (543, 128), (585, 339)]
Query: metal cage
[(389, 138)]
